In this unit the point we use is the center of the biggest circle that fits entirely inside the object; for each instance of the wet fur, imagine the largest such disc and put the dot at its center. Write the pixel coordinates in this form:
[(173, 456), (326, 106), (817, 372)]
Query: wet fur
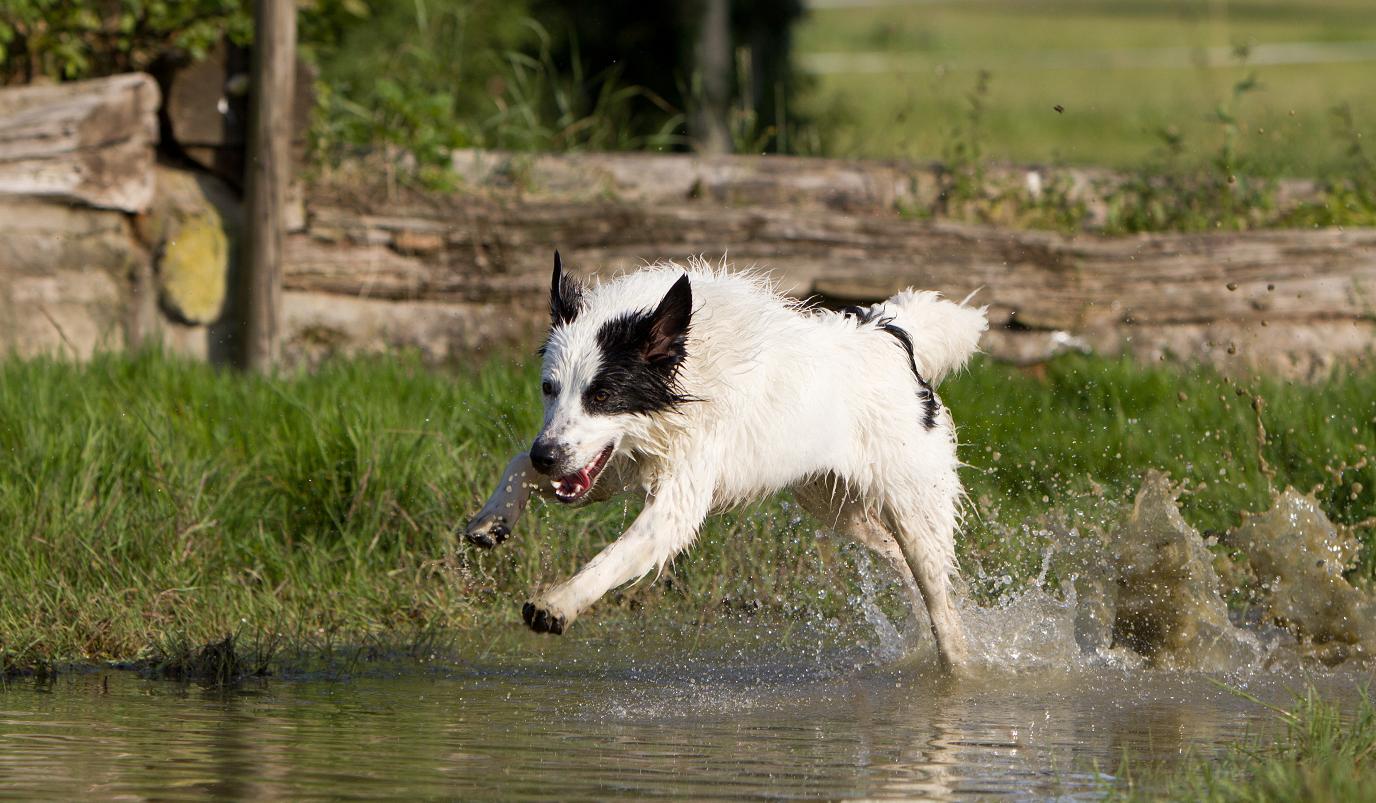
[(747, 394)]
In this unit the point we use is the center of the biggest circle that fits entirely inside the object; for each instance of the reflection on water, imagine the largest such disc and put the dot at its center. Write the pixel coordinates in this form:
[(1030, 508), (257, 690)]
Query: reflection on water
[(584, 717)]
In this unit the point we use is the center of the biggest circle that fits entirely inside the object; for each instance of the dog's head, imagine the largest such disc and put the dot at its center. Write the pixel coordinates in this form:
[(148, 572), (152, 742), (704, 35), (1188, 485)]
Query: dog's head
[(604, 371)]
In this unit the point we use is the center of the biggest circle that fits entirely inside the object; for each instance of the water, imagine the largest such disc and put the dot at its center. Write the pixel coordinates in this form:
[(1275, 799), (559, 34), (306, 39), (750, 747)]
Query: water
[(1130, 657), (624, 712)]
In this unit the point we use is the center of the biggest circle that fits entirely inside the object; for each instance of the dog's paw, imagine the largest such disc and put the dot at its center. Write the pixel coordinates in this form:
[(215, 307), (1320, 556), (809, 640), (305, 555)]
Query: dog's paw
[(543, 620), (487, 530)]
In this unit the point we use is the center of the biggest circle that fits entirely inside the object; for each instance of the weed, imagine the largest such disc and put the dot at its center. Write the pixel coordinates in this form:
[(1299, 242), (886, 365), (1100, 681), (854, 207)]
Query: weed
[(962, 176), (541, 108), (1323, 753), (1228, 193), (1347, 200), (219, 662), (967, 192)]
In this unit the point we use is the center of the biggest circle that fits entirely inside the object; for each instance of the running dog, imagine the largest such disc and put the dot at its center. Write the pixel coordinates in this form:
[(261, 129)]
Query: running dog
[(704, 389)]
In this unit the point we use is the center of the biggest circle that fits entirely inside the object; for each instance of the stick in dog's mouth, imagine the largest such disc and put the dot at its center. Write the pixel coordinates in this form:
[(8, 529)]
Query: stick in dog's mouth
[(572, 487)]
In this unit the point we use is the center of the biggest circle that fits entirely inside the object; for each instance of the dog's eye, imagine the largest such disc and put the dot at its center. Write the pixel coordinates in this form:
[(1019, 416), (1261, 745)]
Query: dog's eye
[(601, 396), (547, 387)]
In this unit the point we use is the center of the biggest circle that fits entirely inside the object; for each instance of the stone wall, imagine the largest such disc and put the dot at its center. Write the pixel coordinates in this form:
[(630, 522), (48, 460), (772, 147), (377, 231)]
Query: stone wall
[(66, 278)]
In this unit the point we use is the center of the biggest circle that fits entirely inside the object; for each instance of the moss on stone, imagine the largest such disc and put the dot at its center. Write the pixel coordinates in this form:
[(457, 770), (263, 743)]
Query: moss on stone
[(193, 269)]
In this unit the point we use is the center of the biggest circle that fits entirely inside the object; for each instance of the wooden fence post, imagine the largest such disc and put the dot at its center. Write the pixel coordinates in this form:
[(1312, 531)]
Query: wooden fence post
[(712, 71), (268, 169)]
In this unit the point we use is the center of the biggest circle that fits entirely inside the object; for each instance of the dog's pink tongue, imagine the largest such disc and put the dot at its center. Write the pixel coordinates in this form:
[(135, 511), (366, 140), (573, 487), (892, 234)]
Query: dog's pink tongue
[(575, 484)]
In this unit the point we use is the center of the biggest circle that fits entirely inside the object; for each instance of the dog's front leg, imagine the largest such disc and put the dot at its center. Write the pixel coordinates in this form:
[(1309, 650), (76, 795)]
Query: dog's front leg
[(668, 524), (494, 522)]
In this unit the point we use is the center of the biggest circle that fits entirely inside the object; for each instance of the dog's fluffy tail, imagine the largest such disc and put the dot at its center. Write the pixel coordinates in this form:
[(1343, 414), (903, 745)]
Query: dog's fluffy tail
[(945, 334)]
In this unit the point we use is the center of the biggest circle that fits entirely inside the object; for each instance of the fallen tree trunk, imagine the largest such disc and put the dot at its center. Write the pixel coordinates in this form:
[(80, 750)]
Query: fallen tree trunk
[(91, 142), (467, 250), (1032, 279)]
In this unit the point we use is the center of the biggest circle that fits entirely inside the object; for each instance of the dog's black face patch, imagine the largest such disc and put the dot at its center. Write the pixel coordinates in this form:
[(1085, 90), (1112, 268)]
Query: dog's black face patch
[(641, 355)]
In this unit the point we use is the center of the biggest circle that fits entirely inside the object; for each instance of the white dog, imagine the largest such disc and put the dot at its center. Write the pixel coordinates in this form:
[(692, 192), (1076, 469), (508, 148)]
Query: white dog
[(704, 389)]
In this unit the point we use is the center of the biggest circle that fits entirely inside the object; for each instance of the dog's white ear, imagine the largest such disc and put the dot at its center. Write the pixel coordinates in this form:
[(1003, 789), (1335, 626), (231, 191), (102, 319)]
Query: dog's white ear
[(668, 332), (565, 295)]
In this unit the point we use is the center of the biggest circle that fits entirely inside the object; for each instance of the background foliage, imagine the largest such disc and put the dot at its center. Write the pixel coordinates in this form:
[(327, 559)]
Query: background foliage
[(1204, 110), (62, 39), (431, 75)]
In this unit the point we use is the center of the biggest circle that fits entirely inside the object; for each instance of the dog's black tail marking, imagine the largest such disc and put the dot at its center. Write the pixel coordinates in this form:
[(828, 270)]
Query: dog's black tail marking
[(931, 405)]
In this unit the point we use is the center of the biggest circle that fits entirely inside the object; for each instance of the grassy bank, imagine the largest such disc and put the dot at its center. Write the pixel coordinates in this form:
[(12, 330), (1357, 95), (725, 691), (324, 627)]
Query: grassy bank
[(148, 503), (1323, 753)]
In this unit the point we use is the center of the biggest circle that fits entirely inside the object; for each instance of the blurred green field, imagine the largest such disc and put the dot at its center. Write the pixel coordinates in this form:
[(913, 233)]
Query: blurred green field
[(893, 79)]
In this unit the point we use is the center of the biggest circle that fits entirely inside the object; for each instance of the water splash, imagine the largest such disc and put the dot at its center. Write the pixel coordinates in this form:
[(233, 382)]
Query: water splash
[(1169, 605), (1298, 558), (1143, 587), (1025, 629), (890, 641), (1085, 555), (1127, 587)]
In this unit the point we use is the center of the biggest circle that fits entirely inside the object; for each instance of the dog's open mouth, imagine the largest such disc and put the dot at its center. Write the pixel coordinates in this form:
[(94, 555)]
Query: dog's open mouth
[(572, 487)]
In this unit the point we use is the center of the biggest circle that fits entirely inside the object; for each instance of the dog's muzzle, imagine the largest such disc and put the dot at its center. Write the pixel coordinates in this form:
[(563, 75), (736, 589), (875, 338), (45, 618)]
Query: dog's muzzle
[(547, 456)]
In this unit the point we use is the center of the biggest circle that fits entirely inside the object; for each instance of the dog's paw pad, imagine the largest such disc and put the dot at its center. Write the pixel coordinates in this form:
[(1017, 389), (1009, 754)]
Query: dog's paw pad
[(541, 620), (487, 531)]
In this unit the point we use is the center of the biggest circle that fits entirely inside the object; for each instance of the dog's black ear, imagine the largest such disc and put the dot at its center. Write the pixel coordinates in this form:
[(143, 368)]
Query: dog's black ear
[(667, 336), (565, 295)]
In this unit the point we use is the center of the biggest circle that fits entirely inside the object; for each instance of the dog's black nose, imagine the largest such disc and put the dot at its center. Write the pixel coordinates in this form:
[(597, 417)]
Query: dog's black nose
[(544, 455)]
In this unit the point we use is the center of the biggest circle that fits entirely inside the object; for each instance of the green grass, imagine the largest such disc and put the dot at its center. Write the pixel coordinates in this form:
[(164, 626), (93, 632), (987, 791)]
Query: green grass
[(149, 505), (1324, 753), (1093, 58)]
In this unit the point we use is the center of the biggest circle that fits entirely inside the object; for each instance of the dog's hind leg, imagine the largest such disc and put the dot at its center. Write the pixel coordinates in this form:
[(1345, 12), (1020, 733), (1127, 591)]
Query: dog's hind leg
[(925, 534), (668, 524), (828, 503), (493, 524)]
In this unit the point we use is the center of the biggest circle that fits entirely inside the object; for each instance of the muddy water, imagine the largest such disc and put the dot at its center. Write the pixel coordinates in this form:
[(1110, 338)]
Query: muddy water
[(732, 711)]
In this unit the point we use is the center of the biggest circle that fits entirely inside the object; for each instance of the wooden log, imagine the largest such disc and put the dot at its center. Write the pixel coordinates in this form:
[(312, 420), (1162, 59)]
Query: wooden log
[(1041, 280), (1296, 302), (269, 173), (90, 142)]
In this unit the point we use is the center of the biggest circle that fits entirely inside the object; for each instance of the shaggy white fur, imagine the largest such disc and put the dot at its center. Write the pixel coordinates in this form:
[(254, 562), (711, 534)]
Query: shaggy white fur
[(780, 397)]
